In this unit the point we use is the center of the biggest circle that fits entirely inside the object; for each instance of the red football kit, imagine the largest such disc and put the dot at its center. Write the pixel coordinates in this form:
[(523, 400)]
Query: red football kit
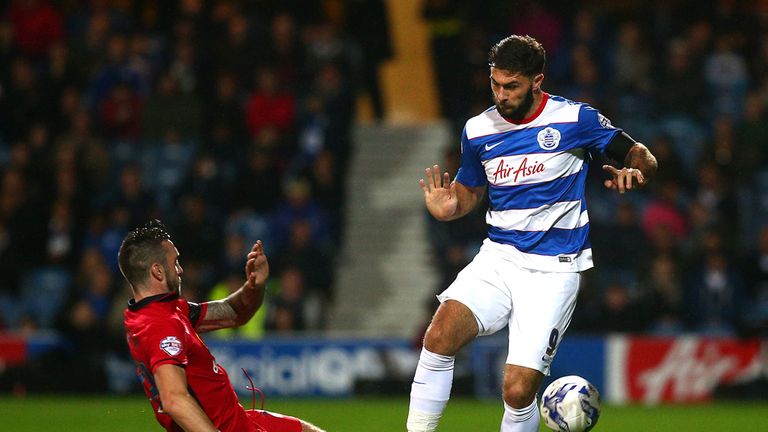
[(161, 329)]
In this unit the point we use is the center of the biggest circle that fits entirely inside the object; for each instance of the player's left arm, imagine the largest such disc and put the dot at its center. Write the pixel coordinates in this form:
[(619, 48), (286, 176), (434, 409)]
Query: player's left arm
[(639, 163), (239, 307)]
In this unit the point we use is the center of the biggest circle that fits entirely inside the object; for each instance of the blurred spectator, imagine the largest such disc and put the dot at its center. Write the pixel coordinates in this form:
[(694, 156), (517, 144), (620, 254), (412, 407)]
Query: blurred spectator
[(22, 101), (633, 61), (236, 51), (166, 164), (37, 25), (445, 20), (679, 82), (92, 156), (756, 283), (751, 138), (725, 72), (286, 308), (224, 113), (717, 197), (131, 194), (665, 213), (121, 113), (184, 68), (113, 74), (330, 113), (314, 263), (286, 52), (367, 22), (714, 295), (299, 205), (621, 234), (269, 107), (105, 233), (671, 167), (327, 185), (170, 108), (258, 187), (663, 292), (199, 234)]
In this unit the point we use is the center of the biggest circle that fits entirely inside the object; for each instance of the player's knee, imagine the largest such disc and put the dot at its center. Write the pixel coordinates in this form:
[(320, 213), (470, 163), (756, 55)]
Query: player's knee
[(517, 394), (438, 341)]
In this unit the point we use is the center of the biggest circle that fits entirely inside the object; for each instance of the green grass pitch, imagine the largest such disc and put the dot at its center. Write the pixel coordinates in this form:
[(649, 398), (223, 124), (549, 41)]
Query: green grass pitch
[(85, 414)]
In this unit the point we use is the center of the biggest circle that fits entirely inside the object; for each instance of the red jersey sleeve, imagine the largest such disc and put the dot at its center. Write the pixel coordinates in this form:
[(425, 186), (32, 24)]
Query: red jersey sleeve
[(166, 342)]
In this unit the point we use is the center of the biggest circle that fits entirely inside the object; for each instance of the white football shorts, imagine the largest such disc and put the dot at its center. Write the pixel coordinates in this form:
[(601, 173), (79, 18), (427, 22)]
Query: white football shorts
[(536, 306)]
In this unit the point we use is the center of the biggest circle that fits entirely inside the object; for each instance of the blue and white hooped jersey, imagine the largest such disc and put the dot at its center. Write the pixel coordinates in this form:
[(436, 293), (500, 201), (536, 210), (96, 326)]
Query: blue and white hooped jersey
[(536, 171)]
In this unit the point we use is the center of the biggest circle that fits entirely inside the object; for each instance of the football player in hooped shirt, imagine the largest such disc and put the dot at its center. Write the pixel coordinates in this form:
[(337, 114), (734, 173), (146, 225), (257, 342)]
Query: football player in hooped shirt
[(188, 390), (531, 152)]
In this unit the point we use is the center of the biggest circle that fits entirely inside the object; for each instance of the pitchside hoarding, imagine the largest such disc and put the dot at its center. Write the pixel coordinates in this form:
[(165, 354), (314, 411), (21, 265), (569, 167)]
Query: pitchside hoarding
[(314, 367), (648, 370), (625, 369), (681, 369)]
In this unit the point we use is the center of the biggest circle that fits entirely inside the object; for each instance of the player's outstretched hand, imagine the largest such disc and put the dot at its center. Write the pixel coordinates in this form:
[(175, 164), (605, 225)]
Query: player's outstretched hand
[(256, 266), (439, 193), (624, 179)]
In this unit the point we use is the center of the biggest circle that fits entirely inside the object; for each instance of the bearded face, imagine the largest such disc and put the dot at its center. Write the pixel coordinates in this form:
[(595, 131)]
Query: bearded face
[(513, 93), (517, 112)]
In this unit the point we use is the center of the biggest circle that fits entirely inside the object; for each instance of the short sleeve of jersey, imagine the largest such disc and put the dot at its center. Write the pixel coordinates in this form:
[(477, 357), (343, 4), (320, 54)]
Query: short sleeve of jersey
[(196, 312), (471, 172), (596, 130), (165, 343)]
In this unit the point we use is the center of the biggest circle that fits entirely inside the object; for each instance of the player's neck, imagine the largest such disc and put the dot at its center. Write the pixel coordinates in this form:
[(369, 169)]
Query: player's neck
[(148, 291), (538, 99)]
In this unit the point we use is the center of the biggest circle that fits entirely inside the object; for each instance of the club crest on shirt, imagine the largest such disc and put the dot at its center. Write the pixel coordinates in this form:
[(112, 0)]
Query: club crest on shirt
[(171, 345), (548, 138)]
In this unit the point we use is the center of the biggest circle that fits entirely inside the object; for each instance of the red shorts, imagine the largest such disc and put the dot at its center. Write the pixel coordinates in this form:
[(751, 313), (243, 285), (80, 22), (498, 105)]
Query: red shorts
[(266, 421)]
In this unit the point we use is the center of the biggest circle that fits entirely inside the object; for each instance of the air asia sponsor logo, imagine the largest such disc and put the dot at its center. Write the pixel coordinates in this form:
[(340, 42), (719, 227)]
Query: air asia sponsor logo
[(687, 369), (525, 169), (171, 345)]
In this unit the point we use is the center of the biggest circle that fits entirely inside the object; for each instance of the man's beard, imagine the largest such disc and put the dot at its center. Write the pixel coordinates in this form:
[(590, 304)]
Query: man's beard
[(174, 286), (518, 113)]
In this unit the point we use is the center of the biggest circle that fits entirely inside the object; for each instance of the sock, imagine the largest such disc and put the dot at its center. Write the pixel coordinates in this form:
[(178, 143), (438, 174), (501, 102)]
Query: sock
[(430, 391), (521, 420)]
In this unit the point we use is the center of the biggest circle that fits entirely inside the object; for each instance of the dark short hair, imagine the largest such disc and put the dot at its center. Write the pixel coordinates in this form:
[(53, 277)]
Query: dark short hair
[(140, 248), (518, 54)]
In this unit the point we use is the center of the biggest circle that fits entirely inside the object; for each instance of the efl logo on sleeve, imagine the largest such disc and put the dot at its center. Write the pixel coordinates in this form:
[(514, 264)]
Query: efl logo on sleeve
[(604, 122), (171, 345)]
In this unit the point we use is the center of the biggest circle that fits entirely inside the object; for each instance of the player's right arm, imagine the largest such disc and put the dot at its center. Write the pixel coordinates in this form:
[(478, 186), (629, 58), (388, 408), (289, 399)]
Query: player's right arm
[(446, 200), (176, 401)]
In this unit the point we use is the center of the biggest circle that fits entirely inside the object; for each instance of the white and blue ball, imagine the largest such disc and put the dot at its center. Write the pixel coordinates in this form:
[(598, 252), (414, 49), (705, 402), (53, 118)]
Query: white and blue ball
[(570, 404)]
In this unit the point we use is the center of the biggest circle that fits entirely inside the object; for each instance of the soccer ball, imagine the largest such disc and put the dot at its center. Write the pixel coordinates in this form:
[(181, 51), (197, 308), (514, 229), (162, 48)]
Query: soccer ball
[(570, 404)]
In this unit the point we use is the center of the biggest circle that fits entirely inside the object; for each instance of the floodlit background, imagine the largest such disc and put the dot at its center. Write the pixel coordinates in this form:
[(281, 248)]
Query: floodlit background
[(307, 124)]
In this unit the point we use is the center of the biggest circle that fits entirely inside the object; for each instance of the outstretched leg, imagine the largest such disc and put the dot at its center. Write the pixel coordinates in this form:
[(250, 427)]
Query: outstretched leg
[(452, 327)]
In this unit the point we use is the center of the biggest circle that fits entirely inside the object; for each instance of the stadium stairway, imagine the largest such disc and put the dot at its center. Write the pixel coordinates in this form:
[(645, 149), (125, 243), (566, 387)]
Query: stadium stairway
[(385, 272)]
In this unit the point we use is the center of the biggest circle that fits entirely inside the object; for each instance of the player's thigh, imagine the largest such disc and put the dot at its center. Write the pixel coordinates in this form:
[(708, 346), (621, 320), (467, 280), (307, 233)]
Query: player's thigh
[(543, 305), (481, 288), (267, 421)]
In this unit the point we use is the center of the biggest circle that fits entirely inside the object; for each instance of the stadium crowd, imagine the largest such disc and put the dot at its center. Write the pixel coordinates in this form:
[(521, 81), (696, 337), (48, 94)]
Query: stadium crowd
[(228, 120), (232, 120)]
